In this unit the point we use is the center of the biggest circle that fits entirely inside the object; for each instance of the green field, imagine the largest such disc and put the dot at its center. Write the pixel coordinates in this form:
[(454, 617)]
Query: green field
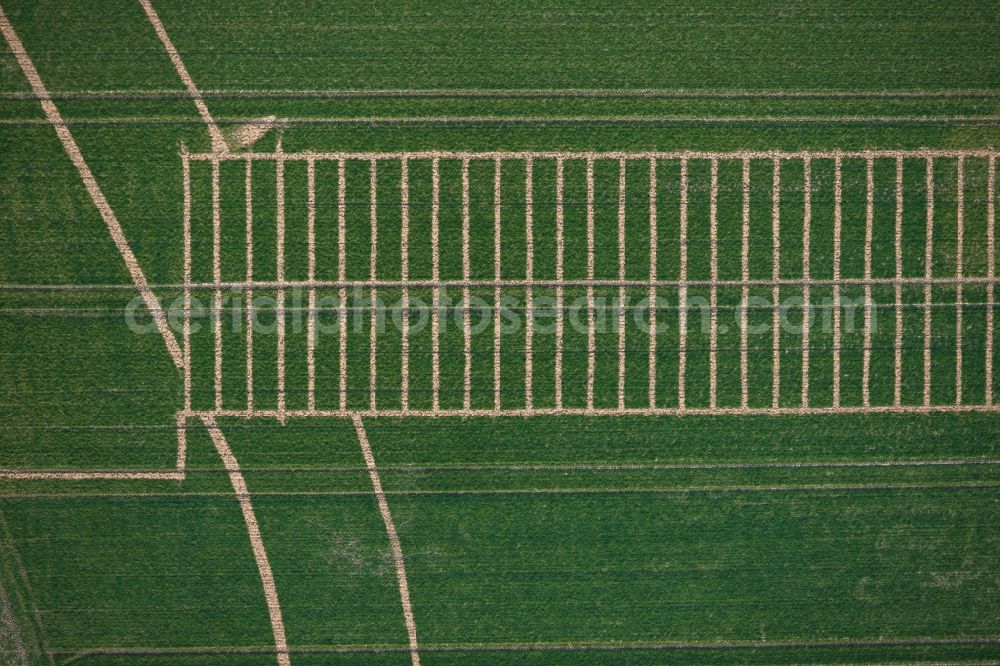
[(839, 538)]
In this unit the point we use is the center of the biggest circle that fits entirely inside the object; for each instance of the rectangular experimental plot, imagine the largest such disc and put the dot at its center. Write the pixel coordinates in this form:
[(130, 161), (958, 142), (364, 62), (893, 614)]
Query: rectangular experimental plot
[(590, 283)]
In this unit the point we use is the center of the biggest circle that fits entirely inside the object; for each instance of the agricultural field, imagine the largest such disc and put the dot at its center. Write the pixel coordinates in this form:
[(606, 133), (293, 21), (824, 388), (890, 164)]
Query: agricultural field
[(529, 333)]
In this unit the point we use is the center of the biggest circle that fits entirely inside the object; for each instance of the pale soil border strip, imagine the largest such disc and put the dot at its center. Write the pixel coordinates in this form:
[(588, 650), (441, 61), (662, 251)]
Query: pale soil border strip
[(501, 93), (838, 217), (601, 155), (239, 486), (621, 277), (497, 172), (628, 411), (373, 270), (775, 291), (653, 242), (404, 192), (591, 326), (280, 305), (529, 274), (990, 273), (898, 248), (959, 271), (217, 280), (186, 325), (466, 299), (559, 279), (866, 362), (806, 276), (928, 273), (180, 423), (713, 332), (342, 276), (745, 297), (257, 544), (682, 291), (436, 293), (394, 544), (218, 142), (54, 118), (249, 291), (311, 271), (78, 475)]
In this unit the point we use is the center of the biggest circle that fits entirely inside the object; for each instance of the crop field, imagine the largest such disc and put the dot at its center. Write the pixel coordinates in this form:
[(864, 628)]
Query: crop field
[(556, 332)]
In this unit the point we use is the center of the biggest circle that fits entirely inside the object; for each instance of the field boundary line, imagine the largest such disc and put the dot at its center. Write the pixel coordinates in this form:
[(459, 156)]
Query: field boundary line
[(218, 142), (682, 221), (775, 276), (869, 230), (280, 274), (653, 243), (83, 475), (928, 274), (591, 330), (923, 153), (341, 277), (216, 280), (806, 274), (249, 292), (560, 248), (436, 293), (838, 201), (713, 332), (390, 528), (991, 273), (745, 295), (949, 408), (404, 251), (959, 272), (898, 340), (529, 274), (466, 304), (621, 290), (497, 174), (311, 272), (256, 542), (373, 271)]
